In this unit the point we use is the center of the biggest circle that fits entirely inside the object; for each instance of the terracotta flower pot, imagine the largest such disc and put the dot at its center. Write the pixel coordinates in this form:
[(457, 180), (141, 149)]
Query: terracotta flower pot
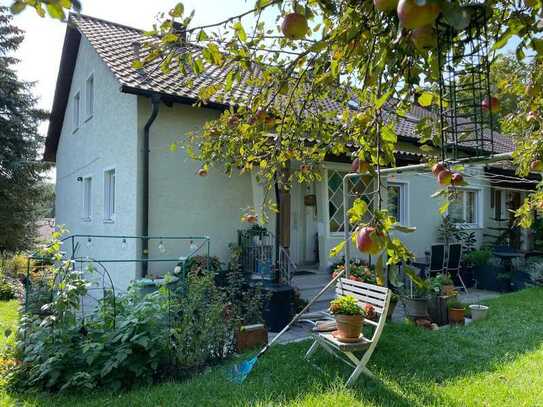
[(456, 316), (349, 326)]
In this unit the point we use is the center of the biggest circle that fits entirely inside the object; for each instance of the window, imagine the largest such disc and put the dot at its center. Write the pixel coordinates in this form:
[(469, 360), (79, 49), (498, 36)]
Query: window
[(77, 104), (89, 94), (87, 198), (359, 186), (397, 201), (109, 195), (464, 208)]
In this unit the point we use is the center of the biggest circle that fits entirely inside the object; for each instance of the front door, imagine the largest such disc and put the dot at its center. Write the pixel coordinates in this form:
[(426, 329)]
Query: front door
[(310, 246)]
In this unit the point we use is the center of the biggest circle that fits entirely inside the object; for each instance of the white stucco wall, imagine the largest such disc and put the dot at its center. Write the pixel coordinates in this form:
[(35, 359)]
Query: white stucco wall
[(422, 213), (182, 203), (106, 140)]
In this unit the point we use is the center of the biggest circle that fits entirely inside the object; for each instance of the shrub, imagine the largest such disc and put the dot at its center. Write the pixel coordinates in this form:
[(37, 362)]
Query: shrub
[(346, 305), (6, 290), (478, 258)]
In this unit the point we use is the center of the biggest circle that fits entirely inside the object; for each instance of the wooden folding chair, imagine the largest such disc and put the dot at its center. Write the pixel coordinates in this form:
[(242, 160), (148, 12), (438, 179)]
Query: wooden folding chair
[(379, 298)]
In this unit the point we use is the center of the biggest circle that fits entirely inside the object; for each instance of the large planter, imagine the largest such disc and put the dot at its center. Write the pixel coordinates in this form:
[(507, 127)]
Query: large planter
[(251, 336), (349, 326), (416, 308), (520, 279), (392, 306), (456, 316), (438, 308), (487, 277), (478, 312)]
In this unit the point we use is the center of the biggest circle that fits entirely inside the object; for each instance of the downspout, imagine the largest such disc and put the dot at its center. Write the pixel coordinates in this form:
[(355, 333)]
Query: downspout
[(155, 101)]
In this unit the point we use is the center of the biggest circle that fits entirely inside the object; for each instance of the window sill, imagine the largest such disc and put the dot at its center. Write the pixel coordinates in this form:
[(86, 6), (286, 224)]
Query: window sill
[(109, 220), (86, 219)]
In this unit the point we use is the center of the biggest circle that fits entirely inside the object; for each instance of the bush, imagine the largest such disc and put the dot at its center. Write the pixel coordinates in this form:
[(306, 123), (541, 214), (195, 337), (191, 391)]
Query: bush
[(478, 257), (6, 290)]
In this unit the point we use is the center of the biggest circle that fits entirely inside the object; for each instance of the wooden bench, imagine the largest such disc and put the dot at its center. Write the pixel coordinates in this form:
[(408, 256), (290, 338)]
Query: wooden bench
[(379, 298)]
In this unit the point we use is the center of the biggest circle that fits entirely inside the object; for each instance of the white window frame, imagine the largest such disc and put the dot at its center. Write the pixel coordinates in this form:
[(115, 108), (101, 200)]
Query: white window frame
[(478, 208), (76, 106), (110, 193), (404, 200), (333, 167), (89, 97), (86, 206)]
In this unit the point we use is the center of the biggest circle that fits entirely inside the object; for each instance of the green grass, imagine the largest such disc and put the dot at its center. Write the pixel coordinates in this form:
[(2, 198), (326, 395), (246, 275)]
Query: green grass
[(497, 362)]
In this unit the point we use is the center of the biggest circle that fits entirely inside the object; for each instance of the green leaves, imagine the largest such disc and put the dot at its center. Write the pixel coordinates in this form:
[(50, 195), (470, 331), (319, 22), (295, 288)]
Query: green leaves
[(357, 212), (425, 99), (337, 249)]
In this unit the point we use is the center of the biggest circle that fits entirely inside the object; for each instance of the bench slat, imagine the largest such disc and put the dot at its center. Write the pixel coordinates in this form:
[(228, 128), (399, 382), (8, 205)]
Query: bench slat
[(372, 287), (363, 294), (378, 305), (362, 291)]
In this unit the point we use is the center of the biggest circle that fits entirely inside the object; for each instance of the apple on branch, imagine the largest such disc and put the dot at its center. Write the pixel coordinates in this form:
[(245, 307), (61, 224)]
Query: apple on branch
[(370, 240), (536, 166), (491, 104), (360, 166), (385, 5), (412, 16), (294, 26), (444, 178)]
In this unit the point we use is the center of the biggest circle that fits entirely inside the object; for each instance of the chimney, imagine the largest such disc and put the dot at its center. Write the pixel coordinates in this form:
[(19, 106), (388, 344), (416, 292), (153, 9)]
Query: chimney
[(180, 30)]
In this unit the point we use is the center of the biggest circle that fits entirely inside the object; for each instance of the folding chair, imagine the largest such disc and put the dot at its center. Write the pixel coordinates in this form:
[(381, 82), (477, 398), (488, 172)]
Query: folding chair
[(379, 298), (437, 259), (453, 262)]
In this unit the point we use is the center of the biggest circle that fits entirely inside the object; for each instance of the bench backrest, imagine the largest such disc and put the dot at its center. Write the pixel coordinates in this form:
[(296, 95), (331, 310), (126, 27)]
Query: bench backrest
[(377, 296)]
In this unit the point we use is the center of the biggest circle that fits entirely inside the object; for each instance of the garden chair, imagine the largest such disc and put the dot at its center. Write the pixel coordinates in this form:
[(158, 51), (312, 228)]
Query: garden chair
[(379, 298), (453, 262), (437, 259)]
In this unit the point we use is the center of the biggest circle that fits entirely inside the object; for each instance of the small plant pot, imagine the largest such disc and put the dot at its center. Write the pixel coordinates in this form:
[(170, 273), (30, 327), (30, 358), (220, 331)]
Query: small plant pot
[(456, 316), (478, 312), (349, 326), (250, 336)]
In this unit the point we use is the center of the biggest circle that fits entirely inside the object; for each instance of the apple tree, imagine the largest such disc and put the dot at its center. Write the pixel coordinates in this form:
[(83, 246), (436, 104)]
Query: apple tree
[(311, 78)]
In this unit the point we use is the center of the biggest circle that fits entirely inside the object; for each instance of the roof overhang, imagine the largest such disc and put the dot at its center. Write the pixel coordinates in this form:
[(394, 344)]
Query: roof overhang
[(68, 59)]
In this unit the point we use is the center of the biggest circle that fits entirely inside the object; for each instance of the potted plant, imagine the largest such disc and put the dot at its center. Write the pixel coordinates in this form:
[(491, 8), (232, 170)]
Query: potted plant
[(485, 273), (349, 316), (442, 292), (415, 297), (456, 313)]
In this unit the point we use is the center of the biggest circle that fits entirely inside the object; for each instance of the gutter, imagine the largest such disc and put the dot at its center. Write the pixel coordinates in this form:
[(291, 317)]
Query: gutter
[(155, 101)]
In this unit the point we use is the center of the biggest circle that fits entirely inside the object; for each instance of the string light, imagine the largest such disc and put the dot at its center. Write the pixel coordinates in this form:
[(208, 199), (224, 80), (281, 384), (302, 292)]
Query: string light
[(123, 243), (161, 247)]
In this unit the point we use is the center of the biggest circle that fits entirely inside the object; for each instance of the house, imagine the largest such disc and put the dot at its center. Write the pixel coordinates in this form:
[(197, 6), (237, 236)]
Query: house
[(103, 112)]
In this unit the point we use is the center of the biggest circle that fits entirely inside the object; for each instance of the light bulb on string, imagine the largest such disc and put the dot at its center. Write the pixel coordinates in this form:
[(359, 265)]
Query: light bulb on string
[(123, 243), (193, 246), (161, 247)]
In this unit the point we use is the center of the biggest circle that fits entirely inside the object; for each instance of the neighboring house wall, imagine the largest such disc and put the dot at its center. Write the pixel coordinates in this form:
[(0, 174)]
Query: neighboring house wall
[(182, 203), (104, 141)]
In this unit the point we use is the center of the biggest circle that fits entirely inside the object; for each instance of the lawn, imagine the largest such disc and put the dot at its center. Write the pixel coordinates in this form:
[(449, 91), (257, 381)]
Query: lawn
[(497, 362)]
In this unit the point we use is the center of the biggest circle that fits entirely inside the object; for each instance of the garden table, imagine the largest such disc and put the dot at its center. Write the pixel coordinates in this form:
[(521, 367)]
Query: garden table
[(506, 259)]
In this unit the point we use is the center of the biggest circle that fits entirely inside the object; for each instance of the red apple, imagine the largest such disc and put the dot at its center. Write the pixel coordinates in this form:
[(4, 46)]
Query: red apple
[(202, 172), (444, 177), (360, 166), (385, 5), (530, 3), (413, 16), (294, 26), (250, 218), (424, 38), (457, 179), (536, 166), (492, 104), (369, 240), (437, 168)]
